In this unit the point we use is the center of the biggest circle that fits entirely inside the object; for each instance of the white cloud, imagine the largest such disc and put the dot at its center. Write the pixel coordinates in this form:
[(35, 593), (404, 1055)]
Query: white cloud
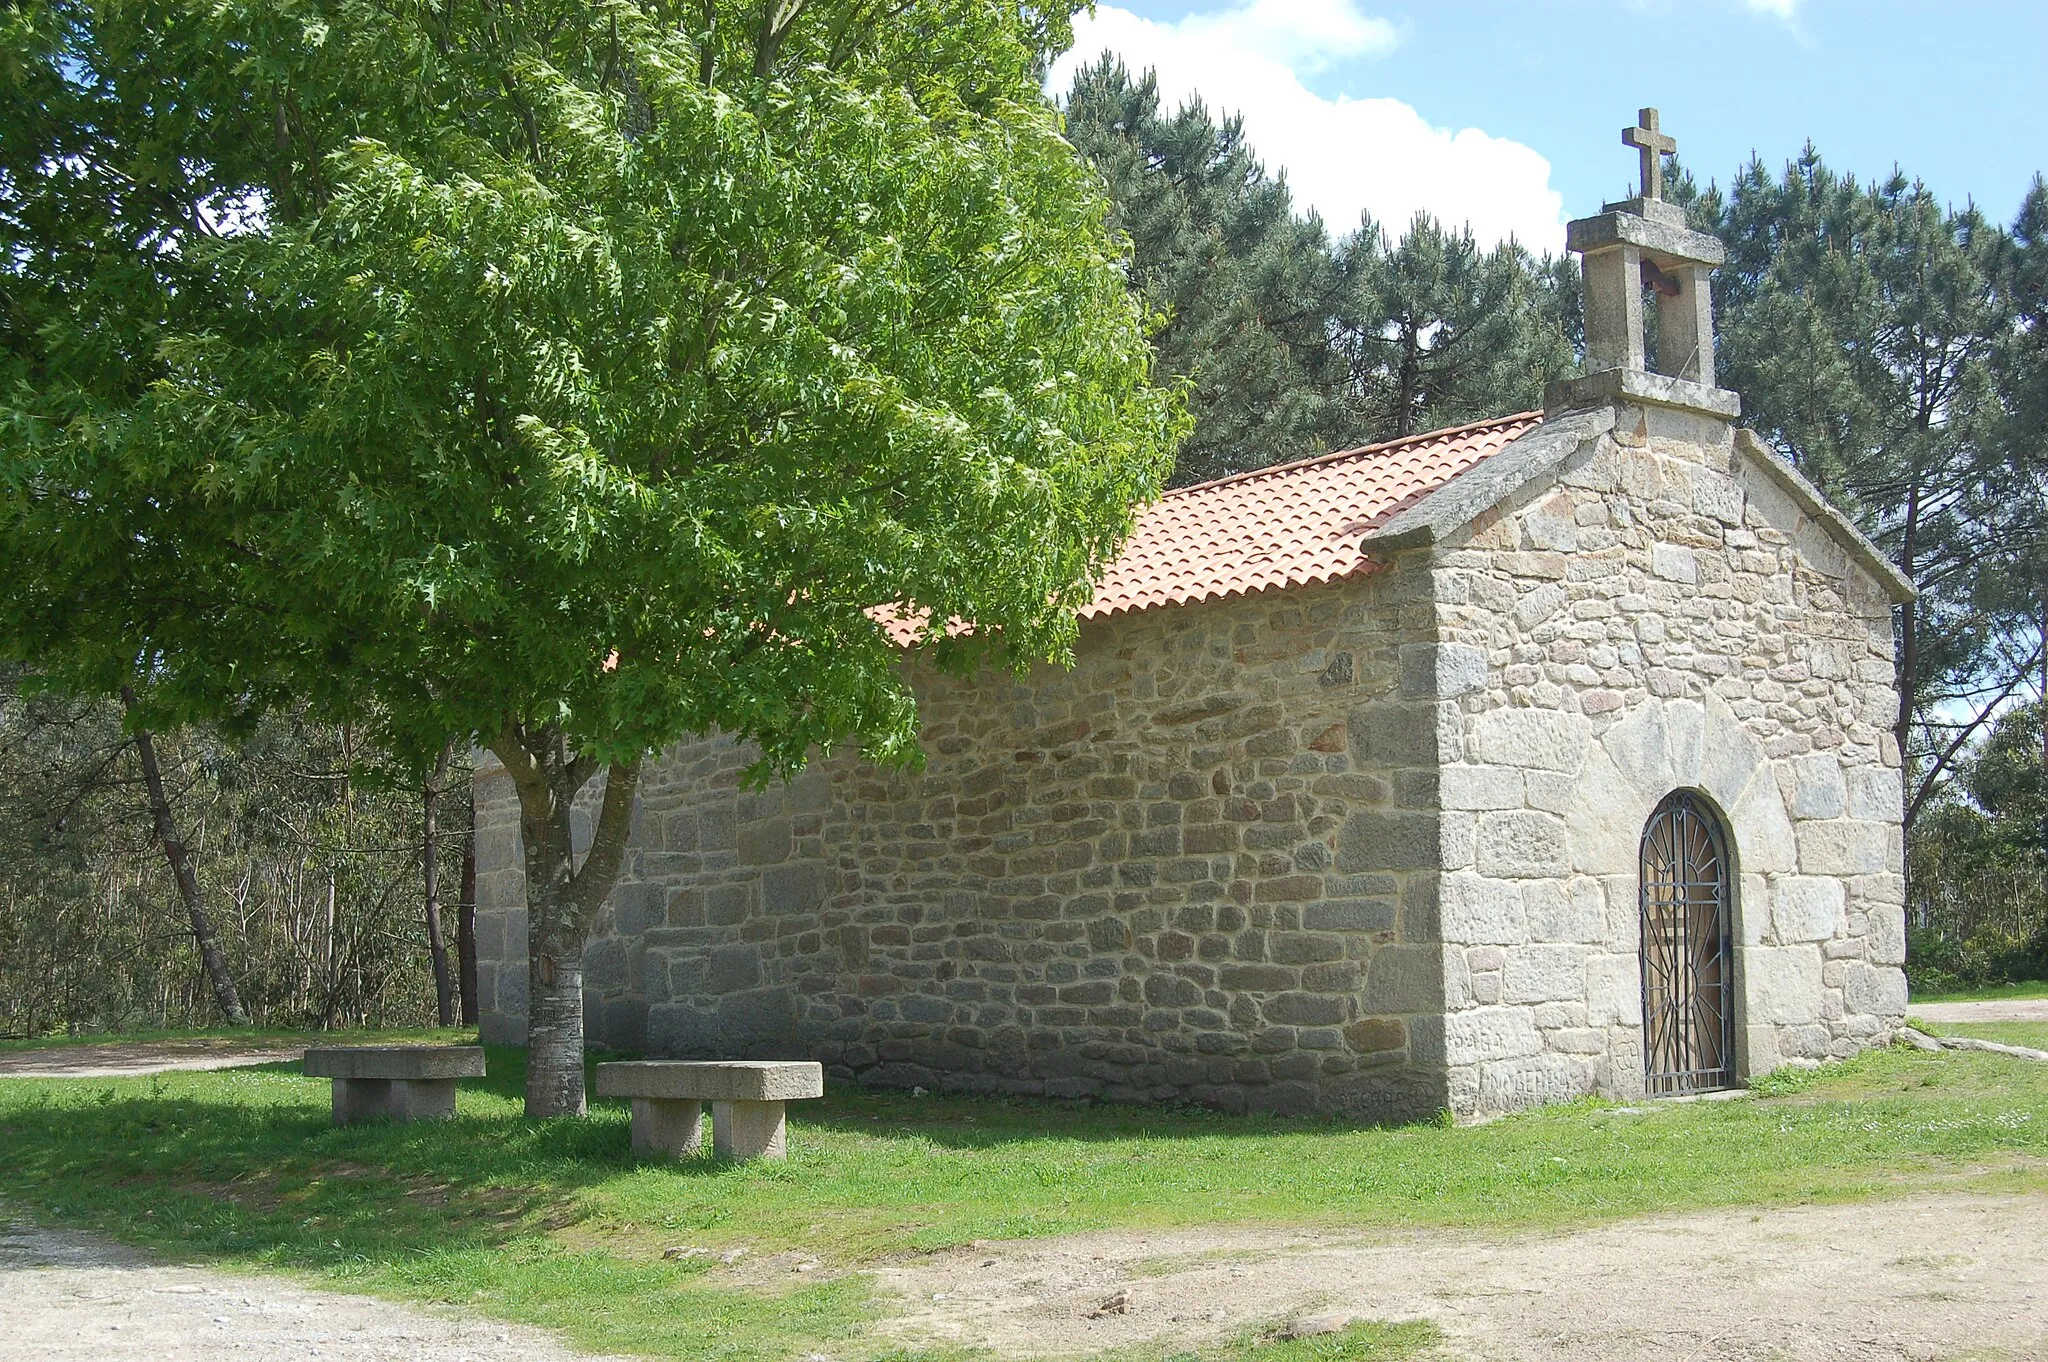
[(1788, 10), (1304, 34), (1342, 156)]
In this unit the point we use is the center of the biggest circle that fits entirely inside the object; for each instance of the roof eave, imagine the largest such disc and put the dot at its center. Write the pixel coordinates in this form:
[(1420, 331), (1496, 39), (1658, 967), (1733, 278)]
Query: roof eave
[(1535, 454), (1539, 453), (1817, 507)]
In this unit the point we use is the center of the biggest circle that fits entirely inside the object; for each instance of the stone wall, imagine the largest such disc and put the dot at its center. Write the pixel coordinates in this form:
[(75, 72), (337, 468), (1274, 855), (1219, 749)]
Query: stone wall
[(1662, 617), (1200, 866)]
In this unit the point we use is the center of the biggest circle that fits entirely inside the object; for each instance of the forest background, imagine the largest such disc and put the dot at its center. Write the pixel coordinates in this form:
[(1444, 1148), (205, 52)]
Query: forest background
[(1892, 347)]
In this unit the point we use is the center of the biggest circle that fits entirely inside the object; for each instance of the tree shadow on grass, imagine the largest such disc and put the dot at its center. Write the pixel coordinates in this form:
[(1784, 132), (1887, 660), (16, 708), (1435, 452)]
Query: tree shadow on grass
[(249, 1162), (246, 1168), (978, 1121)]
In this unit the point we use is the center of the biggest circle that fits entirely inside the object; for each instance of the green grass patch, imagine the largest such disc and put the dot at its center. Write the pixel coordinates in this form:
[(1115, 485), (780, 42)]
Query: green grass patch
[(2020, 992), (556, 1224), (1360, 1341), (250, 1035)]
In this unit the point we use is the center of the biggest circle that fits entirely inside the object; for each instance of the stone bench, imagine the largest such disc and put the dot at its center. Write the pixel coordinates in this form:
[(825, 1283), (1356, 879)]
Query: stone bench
[(395, 1082), (746, 1098)]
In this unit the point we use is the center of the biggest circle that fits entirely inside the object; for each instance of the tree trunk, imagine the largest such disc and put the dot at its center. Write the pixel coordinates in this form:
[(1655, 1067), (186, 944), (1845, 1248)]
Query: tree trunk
[(465, 921), (562, 900), (430, 869), (1908, 664), (330, 977), (2041, 779), (180, 857), (554, 1017), (1411, 381)]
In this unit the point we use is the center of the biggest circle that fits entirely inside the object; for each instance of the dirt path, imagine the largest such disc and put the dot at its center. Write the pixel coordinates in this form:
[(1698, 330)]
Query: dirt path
[(1927, 1278), (66, 1297), (1924, 1279), (139, 1059), (2019, 1009)]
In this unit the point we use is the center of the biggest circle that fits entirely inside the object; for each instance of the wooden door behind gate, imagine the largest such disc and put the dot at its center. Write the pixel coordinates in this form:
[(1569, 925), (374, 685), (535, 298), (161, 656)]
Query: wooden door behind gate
[(1688, 983)]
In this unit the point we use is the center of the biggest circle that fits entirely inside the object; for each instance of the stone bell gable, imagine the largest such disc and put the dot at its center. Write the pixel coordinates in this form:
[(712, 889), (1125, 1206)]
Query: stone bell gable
[(1541, 757)]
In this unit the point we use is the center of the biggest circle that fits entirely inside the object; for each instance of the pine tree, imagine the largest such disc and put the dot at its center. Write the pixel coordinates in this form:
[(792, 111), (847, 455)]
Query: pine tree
[(1292, 344), (1860, 324), (1246, 288), (1440, 333)]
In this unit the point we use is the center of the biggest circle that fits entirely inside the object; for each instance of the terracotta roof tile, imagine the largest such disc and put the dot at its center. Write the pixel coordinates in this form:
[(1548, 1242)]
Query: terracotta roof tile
[(1287, 525), (1283, 526)]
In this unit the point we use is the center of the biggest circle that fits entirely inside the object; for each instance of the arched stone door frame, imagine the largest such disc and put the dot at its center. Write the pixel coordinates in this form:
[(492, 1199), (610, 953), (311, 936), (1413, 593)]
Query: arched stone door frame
[(1660, 747)]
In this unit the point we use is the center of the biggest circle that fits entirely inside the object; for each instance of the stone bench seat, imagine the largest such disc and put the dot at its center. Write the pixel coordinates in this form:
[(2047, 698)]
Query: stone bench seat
[(746, 1097), (394, 1082)]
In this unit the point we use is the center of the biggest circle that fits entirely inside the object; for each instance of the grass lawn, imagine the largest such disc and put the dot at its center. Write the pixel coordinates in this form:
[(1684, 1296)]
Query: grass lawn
[(1993, 993), (251, 1036), (555, 1224), (2032, 1034)]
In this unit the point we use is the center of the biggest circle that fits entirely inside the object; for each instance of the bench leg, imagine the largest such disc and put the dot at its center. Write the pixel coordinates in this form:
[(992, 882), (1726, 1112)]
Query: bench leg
[(396, 1099), (748, 1130), (669, 1128), (361, 1099), (423, 1099)]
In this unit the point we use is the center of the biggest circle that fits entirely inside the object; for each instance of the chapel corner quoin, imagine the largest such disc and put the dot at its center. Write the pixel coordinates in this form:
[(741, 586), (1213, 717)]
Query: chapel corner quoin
[(1542, 757)]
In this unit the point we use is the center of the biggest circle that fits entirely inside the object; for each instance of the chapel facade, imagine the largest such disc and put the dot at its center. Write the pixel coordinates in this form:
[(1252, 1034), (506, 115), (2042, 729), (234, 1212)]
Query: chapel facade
[(1541, 757)]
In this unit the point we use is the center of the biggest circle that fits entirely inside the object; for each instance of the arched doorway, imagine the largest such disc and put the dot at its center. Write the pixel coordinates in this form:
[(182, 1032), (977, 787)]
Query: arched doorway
[(1688, 958)]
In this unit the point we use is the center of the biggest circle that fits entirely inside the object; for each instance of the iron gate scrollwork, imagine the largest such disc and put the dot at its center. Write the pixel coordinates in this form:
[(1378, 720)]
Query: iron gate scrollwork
[(1688, 984)]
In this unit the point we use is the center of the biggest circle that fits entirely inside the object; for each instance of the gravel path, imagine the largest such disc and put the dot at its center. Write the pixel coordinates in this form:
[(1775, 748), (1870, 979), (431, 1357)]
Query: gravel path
[(67, 1296), (139, 1059), (2019, 1009), (1915, 1280)]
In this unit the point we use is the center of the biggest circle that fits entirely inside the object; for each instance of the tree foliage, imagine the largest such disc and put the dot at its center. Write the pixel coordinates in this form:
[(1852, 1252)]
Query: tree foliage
[(1979, 863), (1865, 327), (1249, 289), (573, 375), (1441, 333), (1294, 344)]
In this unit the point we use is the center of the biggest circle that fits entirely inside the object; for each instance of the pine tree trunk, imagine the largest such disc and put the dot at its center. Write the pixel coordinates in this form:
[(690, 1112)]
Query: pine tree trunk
[(2041, 833), (430, 868), (465, 921), (187, 879), (1907, 667)]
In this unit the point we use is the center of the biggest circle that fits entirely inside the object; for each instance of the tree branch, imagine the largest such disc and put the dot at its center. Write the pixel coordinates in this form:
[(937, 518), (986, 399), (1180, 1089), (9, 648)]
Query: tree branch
[(777, 18), (608, 846), (1948, 754)]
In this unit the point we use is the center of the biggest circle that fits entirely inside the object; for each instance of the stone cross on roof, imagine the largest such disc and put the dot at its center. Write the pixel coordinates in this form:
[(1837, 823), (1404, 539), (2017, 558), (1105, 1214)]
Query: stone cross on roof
[(1654, 146), (1644, 243)]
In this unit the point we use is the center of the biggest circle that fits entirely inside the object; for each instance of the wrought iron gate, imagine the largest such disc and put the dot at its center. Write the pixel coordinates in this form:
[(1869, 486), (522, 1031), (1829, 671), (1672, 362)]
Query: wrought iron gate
[(1688, 985)]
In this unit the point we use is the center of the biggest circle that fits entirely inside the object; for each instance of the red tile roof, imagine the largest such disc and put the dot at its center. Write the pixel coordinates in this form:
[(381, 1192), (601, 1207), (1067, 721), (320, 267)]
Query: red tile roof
[(1283, 526), (1288, 525)]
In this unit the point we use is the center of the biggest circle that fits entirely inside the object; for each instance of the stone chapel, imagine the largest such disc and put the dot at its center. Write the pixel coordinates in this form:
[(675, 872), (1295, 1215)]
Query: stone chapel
[(1545, 756)]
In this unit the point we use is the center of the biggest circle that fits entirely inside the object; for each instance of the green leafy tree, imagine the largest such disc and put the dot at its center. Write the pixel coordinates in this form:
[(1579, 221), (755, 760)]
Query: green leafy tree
[(1979, 857), (574, 375)]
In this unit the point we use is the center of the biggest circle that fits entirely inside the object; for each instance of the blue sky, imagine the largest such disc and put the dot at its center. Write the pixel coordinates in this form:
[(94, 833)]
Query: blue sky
[(1507, 114)]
